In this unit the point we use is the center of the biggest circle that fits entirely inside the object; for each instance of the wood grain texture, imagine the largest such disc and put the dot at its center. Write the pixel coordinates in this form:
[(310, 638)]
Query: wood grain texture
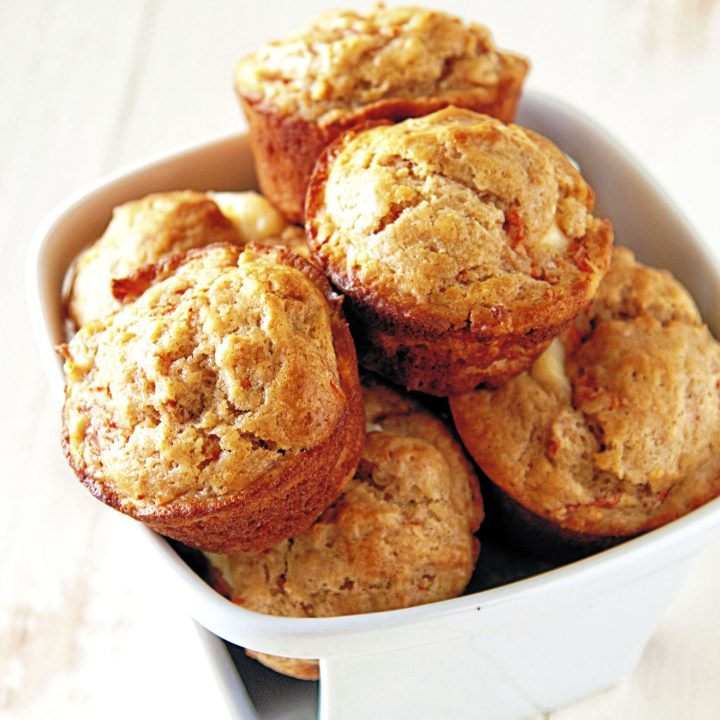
[(87, 86)]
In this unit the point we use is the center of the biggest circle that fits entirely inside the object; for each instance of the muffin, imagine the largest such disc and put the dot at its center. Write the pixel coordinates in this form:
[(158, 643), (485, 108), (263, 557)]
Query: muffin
[(222, 407), (345, 67), (616, 428), (400, 535), (462, 245), (143, 231)]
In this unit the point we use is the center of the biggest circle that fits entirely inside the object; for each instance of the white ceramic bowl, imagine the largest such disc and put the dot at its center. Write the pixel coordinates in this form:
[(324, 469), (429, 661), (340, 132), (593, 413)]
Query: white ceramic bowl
[(505, 653)]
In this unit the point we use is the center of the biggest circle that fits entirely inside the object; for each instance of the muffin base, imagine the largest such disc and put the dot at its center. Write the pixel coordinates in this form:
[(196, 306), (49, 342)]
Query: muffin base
[(513, 524), (443, 364), (292, 667), (528, 528), (417, 350)]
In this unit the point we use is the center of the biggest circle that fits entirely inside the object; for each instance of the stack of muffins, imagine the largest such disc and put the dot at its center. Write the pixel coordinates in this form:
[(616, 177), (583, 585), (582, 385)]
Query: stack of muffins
[(213, 388)]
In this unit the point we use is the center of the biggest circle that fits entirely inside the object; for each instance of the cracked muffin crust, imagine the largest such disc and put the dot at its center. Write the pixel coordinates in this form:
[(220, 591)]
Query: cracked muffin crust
[(400, 535), (141, 232), (221, 407), (346, 67), (462, 245), (616, 429), (144, 231)]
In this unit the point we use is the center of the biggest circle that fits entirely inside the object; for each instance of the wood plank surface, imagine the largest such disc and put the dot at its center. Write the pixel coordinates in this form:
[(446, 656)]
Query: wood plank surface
[(87, 86)]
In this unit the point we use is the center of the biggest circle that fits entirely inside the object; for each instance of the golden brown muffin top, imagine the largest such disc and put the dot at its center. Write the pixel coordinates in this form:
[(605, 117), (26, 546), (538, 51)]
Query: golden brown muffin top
[(618, 430), (343, 59), (218, 370), (141, 232), (144, 231), (632, 290), (400, 535), (459, 217)]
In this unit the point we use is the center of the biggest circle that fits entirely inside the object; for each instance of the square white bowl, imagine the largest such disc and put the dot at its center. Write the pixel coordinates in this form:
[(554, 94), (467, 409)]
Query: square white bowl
[(505, 653)]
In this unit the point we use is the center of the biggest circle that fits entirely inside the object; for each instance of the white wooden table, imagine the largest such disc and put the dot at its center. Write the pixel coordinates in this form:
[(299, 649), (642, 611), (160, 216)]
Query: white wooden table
[(88, 85)]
